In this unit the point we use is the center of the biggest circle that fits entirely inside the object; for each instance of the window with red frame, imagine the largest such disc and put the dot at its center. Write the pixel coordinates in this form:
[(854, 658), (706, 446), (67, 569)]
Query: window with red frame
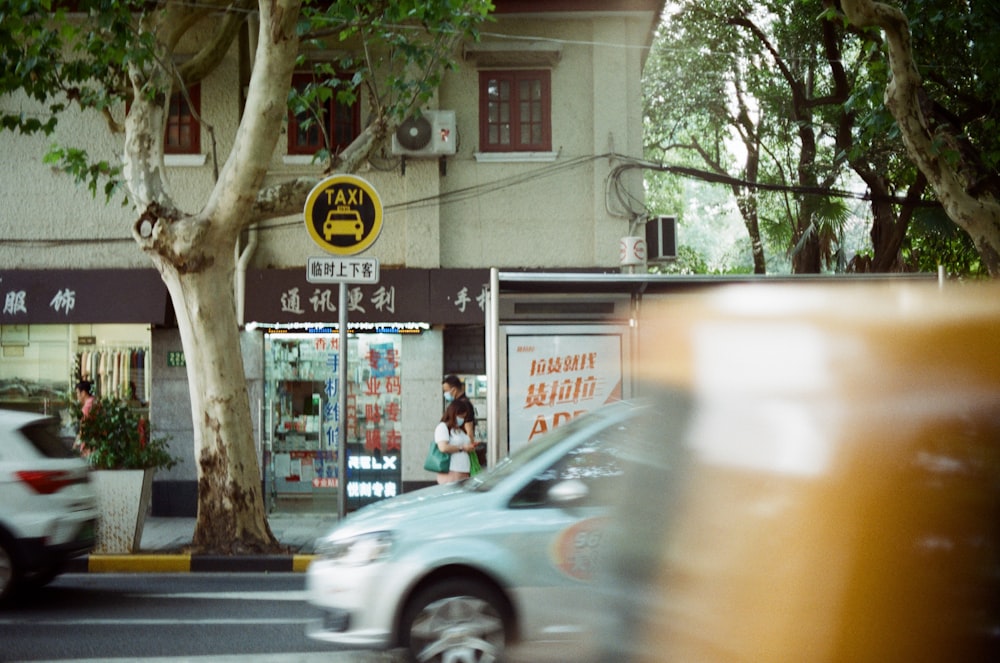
[(183, 134), (515, 111), (341, 121)]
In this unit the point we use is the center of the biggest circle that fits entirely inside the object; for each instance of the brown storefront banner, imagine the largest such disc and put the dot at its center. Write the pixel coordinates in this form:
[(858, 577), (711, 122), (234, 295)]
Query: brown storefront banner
[(82, 296), (435, 296)]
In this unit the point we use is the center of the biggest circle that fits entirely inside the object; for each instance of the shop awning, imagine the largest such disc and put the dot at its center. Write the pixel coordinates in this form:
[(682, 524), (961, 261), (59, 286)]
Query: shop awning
[(82, 296)]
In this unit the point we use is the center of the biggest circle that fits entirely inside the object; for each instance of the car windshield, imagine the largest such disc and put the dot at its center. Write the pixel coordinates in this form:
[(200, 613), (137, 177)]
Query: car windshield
[(507, 466)]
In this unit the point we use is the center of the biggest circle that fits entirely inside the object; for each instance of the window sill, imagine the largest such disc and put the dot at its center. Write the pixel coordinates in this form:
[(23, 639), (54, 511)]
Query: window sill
[(299, 160), (185, 160), (511, 157)]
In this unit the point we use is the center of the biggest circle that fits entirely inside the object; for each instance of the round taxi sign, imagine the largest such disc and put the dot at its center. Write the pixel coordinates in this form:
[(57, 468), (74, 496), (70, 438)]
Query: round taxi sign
[(343, 214)]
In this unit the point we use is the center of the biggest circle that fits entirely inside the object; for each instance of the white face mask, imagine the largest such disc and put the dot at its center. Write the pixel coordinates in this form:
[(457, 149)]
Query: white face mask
[(459, 420)]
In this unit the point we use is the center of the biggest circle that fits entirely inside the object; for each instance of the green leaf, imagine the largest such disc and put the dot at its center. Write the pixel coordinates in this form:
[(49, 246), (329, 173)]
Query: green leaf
[(116, 437)]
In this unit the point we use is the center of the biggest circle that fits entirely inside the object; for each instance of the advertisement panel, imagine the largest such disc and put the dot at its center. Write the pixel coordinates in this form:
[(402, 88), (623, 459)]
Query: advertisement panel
[(554, 377)]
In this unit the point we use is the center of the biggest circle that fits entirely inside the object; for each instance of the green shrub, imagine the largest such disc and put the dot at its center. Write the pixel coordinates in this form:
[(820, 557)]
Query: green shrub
[(115, 437)]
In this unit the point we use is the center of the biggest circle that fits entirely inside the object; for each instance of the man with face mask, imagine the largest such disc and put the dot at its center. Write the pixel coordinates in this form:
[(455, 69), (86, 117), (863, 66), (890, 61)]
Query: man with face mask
[(454, 390)]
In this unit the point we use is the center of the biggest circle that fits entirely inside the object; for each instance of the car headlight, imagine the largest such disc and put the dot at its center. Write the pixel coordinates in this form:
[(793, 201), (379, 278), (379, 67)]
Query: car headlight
[(356, 550)]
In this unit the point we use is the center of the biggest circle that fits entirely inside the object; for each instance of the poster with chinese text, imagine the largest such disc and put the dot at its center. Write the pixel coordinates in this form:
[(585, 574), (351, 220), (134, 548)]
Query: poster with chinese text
[(554, 378)]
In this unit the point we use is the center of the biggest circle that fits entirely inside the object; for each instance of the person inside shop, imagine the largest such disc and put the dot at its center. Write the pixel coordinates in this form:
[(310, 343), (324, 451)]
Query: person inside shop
[(84, 397), (86, 400), (451, 438)]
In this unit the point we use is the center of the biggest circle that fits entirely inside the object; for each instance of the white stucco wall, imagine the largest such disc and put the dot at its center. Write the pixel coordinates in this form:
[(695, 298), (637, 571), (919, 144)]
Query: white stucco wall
[(48, 220), (44, 205), (421, 382), (548, 214), (551, 214)]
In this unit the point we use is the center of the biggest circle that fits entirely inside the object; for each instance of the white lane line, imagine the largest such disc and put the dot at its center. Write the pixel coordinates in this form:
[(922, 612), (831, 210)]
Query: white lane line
[(226, 596), (6, 621)]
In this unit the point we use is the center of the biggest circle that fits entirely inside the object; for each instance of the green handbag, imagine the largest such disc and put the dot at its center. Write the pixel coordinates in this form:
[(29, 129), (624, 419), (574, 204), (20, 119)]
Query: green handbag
[(437, 460), (474, 466)]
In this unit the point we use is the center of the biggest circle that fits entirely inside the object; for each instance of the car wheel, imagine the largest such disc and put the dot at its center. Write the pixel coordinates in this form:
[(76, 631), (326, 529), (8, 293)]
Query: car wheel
[(8, 569), (456, 621)]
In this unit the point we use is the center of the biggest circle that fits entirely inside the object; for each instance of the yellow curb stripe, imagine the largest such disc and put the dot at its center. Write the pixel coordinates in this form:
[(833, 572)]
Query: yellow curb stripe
[(139, 563), (301, 562)]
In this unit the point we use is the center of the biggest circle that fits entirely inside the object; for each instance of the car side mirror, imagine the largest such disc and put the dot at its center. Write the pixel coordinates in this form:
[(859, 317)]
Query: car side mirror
[(568, 491)]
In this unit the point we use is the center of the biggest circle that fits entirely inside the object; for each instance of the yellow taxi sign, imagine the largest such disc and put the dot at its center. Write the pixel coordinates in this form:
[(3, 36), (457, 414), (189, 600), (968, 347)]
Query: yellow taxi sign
[(343, 214)]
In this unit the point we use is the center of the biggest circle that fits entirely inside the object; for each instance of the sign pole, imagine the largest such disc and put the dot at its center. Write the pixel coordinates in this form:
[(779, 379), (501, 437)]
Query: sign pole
[(342, 396), (343, 215)]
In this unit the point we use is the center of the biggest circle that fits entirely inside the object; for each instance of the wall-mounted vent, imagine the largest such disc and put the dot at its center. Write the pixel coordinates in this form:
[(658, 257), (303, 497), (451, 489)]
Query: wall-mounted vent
[(661, 238)]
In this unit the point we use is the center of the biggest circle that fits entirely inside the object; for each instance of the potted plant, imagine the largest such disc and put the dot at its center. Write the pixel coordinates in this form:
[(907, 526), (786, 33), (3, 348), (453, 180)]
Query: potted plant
[(116, 440)]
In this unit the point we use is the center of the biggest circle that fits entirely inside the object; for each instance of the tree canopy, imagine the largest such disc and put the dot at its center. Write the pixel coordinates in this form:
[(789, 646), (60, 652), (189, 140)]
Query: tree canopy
[(783, 103)]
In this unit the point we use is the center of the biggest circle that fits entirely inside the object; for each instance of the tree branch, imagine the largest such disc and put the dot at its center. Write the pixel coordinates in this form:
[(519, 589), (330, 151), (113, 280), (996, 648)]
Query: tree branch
[(214, 50), (248, 162), (939, 150)]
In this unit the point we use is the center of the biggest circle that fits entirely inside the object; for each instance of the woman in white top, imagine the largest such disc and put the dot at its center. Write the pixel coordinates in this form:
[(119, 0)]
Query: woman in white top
[(452, 439)]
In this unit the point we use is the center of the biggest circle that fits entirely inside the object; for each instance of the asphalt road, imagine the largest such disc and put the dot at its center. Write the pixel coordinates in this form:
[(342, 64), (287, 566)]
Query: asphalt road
[(168, 617)]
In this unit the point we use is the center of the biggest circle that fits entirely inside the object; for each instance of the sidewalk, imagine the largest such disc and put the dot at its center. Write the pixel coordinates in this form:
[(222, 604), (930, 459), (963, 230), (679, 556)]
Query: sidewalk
[(164, 538)]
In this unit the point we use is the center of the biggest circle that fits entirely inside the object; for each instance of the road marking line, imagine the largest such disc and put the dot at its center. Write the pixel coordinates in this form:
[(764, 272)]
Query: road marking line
[(298, 595), (4, 621)]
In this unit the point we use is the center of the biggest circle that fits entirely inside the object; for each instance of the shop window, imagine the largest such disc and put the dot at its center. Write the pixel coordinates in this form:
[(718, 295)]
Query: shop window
[(304, 419), (183, 133), (515, 111), (334, 121)]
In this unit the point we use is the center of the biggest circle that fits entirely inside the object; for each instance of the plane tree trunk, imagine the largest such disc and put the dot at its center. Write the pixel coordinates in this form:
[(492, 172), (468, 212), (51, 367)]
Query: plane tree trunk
[(953, 169), (195, 255), (230, 500)]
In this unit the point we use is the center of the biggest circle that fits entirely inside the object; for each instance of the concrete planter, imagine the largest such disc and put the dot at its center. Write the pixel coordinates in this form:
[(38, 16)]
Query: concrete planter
[(123, 498)]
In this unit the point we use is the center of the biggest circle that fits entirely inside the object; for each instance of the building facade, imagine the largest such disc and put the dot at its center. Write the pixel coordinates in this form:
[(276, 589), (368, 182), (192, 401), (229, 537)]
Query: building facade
[(79, 298)]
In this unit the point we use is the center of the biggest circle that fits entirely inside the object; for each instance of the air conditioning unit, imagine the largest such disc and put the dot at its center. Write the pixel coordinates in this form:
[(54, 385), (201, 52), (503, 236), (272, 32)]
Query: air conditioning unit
[(661, 238), (430, 135)]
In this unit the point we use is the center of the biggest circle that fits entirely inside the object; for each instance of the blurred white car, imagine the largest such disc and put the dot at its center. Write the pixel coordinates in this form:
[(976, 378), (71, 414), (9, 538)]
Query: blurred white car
[(465, 572), (48, 508)]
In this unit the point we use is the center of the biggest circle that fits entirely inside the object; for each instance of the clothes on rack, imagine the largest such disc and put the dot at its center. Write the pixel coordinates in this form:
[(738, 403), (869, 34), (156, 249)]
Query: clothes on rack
[(122, 372)]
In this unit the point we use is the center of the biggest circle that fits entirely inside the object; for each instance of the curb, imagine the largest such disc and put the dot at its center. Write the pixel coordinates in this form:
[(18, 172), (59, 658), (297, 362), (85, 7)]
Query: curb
[(186, 563)]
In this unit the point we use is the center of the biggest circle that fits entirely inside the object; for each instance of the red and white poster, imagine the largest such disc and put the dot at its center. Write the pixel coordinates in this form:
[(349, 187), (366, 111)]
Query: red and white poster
[(553, 378)]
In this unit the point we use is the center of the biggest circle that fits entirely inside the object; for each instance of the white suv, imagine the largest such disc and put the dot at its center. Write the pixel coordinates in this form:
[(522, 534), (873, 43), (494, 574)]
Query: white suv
[(499, 565), (48, 507)]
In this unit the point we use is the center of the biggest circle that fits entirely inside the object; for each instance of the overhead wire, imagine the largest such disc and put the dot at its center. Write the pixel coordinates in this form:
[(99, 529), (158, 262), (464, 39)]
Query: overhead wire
[(444, 198), (633, 205)]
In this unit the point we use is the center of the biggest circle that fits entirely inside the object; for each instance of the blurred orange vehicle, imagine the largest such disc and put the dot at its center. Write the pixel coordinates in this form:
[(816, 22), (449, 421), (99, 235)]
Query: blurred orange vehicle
[(825, 485)]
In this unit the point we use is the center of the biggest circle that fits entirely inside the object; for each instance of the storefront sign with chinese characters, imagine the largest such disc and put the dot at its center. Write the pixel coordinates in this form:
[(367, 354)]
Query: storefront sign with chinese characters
[(76, 296), (438, 296)]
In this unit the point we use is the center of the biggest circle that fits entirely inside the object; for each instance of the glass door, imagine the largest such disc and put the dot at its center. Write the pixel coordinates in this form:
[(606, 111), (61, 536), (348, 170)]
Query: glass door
[(303, 419)]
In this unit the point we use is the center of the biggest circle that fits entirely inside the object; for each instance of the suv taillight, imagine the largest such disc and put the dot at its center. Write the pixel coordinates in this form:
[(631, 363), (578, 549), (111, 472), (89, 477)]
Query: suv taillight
[(46, 482)]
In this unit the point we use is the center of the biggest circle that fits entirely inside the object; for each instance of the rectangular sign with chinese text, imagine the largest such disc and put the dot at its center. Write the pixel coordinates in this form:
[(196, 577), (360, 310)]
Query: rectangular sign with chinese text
[(554, 378), (342, 270), (82, 296), (437, 296)]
